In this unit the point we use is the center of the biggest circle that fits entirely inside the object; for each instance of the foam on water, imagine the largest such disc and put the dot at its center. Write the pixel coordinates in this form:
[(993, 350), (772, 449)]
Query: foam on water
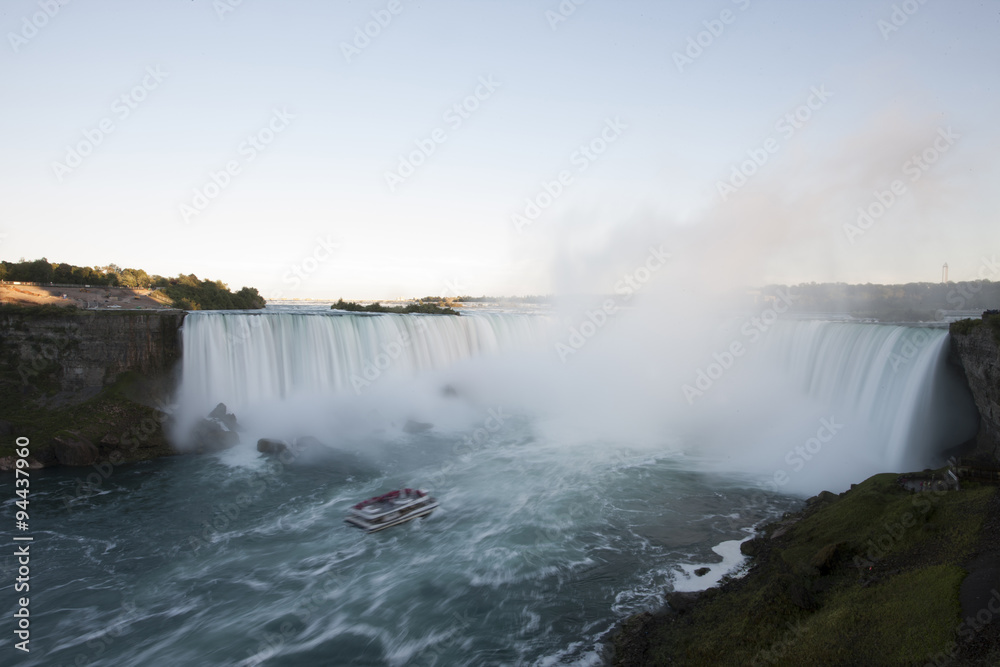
[(686, 579)]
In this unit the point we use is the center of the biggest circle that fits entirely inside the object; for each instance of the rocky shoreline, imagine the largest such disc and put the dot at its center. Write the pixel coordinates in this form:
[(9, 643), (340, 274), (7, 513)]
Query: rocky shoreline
[(879, 575)]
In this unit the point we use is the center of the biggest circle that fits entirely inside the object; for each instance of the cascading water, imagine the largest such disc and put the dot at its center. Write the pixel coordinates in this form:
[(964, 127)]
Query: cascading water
[(887, 395), (288, 375), (893, 379), (241, 359), (571, 493), (819, 405)]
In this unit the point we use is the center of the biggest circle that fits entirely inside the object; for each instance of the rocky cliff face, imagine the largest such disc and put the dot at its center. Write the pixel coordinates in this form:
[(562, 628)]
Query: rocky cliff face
[(84, 352), (979, 354), (84, 387)]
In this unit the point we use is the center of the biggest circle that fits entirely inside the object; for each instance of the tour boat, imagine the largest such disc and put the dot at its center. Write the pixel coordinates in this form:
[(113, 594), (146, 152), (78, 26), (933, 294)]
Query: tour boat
[(391, 509)]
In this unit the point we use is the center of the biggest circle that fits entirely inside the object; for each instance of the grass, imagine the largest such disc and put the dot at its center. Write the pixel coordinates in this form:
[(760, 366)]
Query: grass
[(967, 326), (870, 578), (908, 617)]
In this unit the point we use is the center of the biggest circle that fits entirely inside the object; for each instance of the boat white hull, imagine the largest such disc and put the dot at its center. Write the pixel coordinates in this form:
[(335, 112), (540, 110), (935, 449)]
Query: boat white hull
[(374, 527)]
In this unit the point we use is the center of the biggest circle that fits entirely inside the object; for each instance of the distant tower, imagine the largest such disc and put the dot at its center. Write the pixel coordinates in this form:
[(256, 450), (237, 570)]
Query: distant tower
[(944, 273)]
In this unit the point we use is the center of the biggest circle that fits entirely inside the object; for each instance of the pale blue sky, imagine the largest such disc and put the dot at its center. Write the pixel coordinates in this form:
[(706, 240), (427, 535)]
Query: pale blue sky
[(448, 227)]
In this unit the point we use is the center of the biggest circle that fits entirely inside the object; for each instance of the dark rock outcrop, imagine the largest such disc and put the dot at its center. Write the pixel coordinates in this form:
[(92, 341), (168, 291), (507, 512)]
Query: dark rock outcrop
[(216, 432), (822, 497), (979, 355), (227, 418), (72, 450), (211, 435), (752, 547), (271, 446)]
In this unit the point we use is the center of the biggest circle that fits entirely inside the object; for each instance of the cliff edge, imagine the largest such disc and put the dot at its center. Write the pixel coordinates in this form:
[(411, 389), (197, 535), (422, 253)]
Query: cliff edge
[(976, 345), (85, 386)]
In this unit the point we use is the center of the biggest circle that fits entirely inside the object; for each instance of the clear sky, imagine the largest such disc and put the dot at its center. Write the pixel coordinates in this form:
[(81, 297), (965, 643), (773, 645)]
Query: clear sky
[(117, 113)]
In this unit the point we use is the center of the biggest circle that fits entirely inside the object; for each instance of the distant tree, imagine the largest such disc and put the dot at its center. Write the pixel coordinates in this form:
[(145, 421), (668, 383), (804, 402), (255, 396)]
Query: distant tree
[(249, 297), (39, 271), (63, 273), (376, 307), (127, 278), (134, 278), (84, 275)]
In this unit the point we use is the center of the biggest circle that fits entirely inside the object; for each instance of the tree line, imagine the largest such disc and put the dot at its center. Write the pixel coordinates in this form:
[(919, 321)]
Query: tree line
[(423, 308), (185, 291), (44, 271), (910, 302)]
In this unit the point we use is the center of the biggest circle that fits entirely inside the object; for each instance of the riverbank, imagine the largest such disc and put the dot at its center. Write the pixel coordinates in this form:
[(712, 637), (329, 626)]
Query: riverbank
[(879, 575), (85, 386)]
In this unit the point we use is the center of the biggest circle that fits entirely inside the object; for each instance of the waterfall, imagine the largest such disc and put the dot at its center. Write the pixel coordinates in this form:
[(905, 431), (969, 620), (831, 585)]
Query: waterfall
[(894, 379), (821, 404), (898, 401), (242, 359)]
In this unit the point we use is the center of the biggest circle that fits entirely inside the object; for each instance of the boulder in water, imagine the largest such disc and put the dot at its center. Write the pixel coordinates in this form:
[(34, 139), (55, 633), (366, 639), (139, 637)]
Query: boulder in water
[(73, 450), (271, 446), (227, 418), (9, 463), (211, 435)]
